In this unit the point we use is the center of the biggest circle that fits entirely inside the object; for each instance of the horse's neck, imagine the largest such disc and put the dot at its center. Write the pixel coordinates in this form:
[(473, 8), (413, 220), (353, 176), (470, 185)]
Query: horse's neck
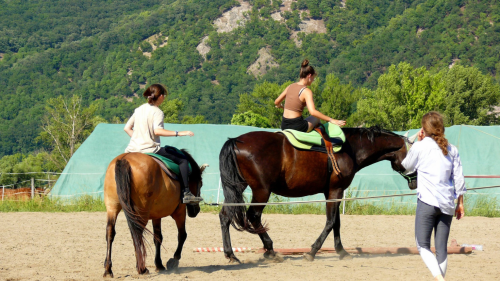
[(367, 152)]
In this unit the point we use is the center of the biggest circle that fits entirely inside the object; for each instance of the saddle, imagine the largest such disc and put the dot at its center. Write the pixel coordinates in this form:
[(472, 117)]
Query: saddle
[(327, 138), (168, 166)]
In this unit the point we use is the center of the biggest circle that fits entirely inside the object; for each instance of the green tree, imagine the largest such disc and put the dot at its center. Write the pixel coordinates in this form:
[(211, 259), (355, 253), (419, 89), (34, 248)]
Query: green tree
[(171, 109), (189, 119), (7, 164), (339, 100), (470, 96), (404, 94), (250, 118), (14, 169), (261, 102), (66, 125)]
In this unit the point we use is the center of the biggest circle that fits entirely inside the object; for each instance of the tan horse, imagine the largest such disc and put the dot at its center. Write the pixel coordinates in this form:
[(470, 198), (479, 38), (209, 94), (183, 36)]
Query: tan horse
[(135, 183)]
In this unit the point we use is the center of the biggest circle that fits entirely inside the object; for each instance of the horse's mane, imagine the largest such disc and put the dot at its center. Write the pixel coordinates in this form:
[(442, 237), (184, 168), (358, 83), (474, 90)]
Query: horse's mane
[(195, 169), (374, 131)]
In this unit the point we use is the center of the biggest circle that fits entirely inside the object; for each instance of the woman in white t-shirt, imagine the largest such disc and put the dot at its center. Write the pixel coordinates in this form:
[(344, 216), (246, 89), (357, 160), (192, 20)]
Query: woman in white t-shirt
[(145, 128), (439, 182)]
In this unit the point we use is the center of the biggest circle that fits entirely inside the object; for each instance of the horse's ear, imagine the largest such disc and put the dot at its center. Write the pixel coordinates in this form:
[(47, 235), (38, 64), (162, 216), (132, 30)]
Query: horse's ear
[(202, 168)]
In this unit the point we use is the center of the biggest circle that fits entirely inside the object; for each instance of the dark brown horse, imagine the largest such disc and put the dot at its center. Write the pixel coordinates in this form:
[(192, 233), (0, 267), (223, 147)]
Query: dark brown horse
[(135, 183), (267, 162)]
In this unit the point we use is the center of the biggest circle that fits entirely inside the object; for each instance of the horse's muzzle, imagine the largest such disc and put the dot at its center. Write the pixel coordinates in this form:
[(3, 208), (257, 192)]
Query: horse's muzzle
[(193, 210), (412, 184)]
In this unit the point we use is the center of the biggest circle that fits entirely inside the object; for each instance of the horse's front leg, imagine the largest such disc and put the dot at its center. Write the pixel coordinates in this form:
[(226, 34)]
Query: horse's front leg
[(180, 220), (330, 222), (158, 239), (336, 236), (110, 236), (225, 222)]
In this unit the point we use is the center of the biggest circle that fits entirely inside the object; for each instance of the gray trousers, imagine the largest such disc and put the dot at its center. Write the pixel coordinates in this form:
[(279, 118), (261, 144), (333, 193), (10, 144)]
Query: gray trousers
[(430, 218)]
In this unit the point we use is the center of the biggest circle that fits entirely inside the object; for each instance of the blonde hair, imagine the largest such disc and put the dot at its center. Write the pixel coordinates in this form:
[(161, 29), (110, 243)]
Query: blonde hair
[(433, 126)]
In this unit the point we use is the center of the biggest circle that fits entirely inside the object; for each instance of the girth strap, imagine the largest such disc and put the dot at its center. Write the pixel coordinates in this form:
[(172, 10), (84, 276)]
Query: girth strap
[(329, 149)]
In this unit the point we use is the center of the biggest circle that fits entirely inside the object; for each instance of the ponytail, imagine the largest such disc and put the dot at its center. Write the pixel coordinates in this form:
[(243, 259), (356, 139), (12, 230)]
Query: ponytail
[(433, 126), (153, 92)]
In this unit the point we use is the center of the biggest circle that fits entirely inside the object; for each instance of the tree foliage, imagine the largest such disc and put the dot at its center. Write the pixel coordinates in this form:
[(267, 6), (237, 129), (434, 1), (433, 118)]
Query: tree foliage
[(92, 49), (404, 94), (470, 97), (260, 103), (14, 168), (66, 125), (250, 118), (339, 100)]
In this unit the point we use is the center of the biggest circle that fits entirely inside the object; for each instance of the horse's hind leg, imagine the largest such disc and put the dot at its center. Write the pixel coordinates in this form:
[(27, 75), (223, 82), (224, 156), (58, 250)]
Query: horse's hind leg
[(110, 236), (180, 220), (158, 239), (225, 222)]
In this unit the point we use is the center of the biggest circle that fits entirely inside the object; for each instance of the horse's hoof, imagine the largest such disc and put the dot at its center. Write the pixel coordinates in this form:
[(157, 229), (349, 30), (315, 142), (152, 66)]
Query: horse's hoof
[(172, 264), (145, 272), (234, 260), (308, 257), (270, 254), (278, 259), (160, 268), (108, 274), (345, 256)]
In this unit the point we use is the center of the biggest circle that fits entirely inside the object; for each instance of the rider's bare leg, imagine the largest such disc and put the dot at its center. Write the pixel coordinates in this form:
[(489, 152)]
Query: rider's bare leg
[(313, 123)]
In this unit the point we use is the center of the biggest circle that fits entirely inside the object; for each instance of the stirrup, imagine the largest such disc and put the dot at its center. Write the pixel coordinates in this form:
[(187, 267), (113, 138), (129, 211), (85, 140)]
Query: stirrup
[(190, 198)]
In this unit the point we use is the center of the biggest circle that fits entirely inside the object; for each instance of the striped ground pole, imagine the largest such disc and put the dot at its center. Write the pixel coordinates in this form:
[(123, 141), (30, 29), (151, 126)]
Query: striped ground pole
[(221, 249)]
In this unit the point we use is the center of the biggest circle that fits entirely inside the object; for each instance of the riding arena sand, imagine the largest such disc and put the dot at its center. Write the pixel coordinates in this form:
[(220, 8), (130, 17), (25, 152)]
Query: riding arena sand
[(72, 246)]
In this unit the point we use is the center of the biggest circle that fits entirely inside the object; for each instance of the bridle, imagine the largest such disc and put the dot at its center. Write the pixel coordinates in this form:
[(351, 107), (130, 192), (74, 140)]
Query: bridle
[(408, 175)]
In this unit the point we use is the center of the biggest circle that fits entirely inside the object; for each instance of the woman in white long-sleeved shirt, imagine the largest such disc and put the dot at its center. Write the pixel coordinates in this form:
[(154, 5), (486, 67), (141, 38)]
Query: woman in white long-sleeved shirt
[(439, 182)]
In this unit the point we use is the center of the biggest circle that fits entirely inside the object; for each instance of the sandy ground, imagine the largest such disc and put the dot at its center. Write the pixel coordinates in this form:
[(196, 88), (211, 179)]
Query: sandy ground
[(71, 246)]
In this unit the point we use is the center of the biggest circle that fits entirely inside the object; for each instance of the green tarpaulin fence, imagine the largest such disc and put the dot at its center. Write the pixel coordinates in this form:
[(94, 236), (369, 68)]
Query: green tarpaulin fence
[(479, 149)]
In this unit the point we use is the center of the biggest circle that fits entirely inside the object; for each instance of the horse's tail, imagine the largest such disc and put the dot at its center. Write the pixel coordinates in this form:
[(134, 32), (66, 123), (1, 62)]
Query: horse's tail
[(135, 223), (233, 186)]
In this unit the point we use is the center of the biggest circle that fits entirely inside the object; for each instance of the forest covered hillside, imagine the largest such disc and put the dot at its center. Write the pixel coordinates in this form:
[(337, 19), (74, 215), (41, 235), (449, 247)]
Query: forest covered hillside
[(209, 52)]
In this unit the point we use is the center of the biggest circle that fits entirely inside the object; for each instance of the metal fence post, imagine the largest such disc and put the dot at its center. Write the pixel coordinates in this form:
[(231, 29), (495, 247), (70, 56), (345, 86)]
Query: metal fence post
[(343, 204), (32, 188), (218, 190)]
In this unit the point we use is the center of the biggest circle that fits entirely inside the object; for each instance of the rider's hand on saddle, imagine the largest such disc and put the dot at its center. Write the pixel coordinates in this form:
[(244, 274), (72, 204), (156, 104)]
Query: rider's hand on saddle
[(186, 133), (337, 122)]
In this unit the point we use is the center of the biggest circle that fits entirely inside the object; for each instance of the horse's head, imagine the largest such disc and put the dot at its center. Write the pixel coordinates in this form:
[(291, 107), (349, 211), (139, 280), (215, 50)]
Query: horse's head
[(195, 187), (387, 145), (397, 159)]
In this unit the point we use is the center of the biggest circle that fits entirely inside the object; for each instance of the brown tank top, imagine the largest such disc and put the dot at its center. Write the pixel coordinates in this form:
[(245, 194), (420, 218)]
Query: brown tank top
[(292, 101)]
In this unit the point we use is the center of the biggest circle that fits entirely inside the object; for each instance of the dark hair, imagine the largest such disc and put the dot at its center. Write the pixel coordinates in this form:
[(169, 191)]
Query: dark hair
[(306, 69), (433, 125), (154, 91)]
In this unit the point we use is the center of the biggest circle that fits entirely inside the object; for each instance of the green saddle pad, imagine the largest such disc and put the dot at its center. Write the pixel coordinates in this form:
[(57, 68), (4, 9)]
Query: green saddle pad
[(169, 163), (313, 140)]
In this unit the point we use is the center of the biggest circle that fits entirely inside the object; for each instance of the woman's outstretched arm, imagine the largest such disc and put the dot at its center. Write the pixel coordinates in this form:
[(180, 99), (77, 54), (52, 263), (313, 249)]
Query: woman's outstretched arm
[(166, 133), (308, 97)]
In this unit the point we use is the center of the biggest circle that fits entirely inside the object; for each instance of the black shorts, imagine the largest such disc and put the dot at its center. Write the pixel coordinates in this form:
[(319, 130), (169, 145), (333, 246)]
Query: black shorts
[(298, 124)]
